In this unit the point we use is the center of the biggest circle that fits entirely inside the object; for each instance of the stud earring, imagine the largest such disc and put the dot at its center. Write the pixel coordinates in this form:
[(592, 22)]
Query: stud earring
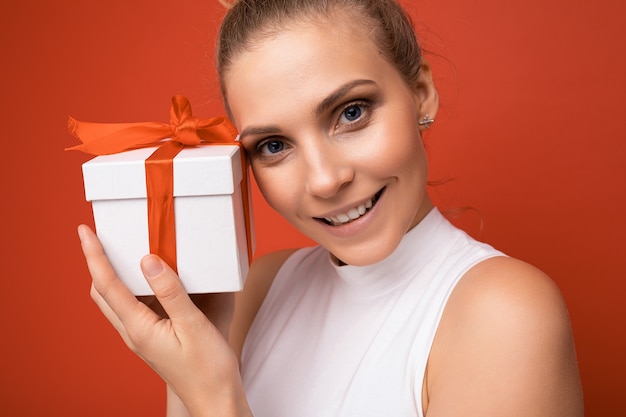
[(426, 122)]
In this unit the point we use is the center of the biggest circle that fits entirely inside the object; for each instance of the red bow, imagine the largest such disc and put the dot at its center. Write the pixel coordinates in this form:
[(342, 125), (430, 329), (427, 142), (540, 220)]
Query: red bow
[(183, 130)]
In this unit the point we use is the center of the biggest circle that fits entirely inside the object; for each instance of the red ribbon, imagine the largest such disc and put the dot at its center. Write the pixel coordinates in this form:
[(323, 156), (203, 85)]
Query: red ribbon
[(183, 130)]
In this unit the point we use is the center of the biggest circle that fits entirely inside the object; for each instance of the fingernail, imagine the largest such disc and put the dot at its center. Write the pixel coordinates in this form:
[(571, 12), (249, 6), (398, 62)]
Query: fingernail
[(151, 266), (81, 233)]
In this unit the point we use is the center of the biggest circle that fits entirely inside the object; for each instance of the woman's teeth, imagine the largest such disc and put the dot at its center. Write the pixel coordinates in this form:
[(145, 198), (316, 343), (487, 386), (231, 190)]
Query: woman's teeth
[(352, 214)]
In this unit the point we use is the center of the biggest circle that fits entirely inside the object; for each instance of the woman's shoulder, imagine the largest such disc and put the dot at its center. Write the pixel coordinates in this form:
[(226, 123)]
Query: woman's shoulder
[(508, 285), (504, 338), (247, 302), (502, 291)]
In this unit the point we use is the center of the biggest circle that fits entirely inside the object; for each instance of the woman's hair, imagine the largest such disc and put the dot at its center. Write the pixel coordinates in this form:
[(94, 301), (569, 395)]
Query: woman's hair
[(250, 21)]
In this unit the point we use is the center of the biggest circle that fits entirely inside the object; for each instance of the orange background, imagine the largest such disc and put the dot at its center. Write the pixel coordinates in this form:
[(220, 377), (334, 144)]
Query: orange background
[(531, 135)]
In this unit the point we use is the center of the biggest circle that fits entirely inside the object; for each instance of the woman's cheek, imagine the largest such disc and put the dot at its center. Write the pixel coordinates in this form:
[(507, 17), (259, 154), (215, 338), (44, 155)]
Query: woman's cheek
[(275, 187)]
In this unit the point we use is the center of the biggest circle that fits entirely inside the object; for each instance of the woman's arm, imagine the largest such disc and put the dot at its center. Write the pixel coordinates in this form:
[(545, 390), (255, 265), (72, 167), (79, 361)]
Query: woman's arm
[(175, 407), (247, 304), (504, 348)]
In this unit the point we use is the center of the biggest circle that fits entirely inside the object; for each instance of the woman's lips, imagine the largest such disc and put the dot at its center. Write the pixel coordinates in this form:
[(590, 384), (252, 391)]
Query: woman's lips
[(352, 214)]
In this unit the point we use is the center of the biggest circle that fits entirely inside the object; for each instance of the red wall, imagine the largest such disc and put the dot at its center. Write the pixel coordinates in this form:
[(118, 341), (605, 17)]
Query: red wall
[(531, 135)]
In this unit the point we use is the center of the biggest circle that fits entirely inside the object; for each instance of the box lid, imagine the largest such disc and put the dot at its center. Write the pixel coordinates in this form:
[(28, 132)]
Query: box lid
[(202, 170)]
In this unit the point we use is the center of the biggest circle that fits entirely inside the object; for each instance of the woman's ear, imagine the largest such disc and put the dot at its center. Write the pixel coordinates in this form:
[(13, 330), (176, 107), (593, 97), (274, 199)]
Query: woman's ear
[(426, 96)]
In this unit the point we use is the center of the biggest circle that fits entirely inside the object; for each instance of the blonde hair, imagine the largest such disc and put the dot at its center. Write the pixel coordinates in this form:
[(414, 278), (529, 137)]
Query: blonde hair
[(249, 21)]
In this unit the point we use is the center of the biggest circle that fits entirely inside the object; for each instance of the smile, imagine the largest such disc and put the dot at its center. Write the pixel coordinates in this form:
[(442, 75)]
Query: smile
[(354, 213)]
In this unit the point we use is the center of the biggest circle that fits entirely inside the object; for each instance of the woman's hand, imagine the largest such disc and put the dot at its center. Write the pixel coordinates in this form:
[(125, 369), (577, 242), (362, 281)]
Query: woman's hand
[(218, 308), (186, 349)]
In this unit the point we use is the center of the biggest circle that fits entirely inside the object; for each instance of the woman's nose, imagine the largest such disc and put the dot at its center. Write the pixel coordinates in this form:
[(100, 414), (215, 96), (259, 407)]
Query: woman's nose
[(328, 171)]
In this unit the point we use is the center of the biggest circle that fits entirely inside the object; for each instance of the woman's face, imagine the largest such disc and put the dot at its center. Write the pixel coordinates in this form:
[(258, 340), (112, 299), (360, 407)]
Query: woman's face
[(331, 129)]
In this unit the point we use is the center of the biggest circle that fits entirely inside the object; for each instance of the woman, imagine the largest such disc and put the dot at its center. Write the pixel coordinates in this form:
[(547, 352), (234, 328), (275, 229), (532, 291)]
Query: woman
[(396, 312)]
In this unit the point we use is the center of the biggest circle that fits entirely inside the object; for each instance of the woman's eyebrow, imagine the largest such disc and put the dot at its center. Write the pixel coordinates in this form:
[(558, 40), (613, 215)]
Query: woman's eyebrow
[(261, 130), (324, 105), (338, 94)]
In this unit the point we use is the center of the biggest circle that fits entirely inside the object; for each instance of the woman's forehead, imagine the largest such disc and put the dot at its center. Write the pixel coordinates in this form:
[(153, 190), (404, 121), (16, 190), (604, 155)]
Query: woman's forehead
[(292, 40), (303, 64)]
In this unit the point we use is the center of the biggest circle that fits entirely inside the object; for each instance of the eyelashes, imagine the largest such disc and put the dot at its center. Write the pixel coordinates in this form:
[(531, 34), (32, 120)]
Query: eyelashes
[(348, 117), (353, 114), (270, 147)]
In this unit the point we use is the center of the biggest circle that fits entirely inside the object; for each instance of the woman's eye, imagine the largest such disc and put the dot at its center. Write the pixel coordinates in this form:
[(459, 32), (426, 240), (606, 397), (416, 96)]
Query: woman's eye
[(271, 146), (351, 113)]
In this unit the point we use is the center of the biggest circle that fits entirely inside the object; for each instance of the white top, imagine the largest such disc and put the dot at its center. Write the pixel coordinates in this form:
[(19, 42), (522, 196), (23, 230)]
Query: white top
[(354, 341)]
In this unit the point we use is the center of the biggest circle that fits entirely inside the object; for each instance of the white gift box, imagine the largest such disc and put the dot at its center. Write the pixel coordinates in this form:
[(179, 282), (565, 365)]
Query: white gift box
[(211, 243)]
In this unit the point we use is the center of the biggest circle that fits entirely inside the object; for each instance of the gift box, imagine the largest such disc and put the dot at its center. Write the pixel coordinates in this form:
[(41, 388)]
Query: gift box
[(210, 224), (178, 190)]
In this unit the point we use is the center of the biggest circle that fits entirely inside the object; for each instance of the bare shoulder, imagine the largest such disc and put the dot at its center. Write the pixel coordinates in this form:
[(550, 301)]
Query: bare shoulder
[(504, 347), (514, 289), (247, 303)]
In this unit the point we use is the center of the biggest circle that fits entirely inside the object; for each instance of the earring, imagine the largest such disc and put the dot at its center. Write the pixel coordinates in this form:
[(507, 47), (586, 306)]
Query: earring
[(426, 122)]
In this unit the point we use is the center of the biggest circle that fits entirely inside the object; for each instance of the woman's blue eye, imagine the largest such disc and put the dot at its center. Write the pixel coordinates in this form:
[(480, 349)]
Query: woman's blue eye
[(272, 146), (352, 113)]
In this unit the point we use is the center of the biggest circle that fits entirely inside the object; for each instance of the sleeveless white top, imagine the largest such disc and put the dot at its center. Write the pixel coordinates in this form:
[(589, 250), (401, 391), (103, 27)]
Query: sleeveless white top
[(354, 341)]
